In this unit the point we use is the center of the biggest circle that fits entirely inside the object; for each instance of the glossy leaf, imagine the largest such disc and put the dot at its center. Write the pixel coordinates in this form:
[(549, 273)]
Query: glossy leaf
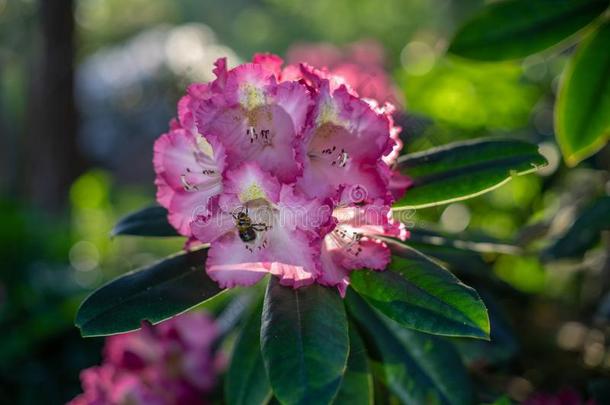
[(418, 368), (419, 293), (357, 385), (246, 381), (154, 293), (305, 343), (517, 28), (582, 110), (462, 242), (150, 221), (463, 170), (584, 232)]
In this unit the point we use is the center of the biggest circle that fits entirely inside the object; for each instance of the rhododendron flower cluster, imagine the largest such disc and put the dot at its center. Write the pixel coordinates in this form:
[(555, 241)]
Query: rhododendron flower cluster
[(286, 171), (171, 363)]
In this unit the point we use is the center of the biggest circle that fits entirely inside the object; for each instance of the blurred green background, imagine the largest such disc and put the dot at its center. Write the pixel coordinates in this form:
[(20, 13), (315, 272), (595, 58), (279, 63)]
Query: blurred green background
[(87, 85)]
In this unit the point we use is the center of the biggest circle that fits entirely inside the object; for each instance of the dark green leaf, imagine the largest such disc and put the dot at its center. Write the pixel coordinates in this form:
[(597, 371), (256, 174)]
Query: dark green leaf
[(463, 242), (305, 343), (246, 381), (357, 385), (154, 293), (517, 28), (584, 232), (465, 264), (418, 293), (463, 170), (452, 257), (150, 221), (582, 109), (418, 368)]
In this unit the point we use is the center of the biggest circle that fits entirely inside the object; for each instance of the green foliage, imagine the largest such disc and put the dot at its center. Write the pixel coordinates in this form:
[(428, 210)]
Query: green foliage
[(522, 272), (460, 242), (418, 368), (582, 110), (517, 28), (357, 385), (502, 344), (463, 170), (155, 293), (340, 21), (305, 342), (149, 221), (584, 232), (246, 381), (418, 293), (464, 95)]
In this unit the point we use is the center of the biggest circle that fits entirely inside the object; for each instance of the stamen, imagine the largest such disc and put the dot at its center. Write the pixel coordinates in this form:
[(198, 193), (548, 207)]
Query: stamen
[(342, 158), (331, 155), (207, 172), (348, 240), (251, 133), (187, 186), (264, 136)]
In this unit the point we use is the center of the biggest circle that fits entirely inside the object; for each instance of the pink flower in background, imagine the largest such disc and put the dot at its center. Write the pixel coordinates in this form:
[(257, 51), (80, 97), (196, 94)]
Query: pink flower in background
[(107, 384), (289, 149), (359, 64), (567, 396), (171, 363)]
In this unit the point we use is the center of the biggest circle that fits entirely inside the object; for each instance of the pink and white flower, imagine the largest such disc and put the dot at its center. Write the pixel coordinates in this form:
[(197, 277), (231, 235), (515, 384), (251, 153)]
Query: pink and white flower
[(283, 171), (352, 245), (344, 145), (189, 170), (285, 237), (256, 118)]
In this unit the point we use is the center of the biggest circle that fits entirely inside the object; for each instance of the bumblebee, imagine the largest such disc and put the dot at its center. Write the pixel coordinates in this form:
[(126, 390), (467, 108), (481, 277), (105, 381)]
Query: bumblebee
[(247, 230)]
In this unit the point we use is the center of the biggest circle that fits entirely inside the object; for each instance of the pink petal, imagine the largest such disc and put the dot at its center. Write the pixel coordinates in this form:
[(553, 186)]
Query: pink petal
[(374, 219), (370, 254), (293, 256), (231, 264), (369, 129), (188, 170), (249, 182), (344, 144), (399, 184), (298, 211), (213, 224), (322, 179), (257, 119), (333, 274), (272, 63)]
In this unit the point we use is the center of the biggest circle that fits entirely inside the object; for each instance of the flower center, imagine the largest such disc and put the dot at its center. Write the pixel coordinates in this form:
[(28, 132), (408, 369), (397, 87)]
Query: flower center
[(259, 120), (251, 96), (206, 175), (327, 146), (347, 240), (263, 136)]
